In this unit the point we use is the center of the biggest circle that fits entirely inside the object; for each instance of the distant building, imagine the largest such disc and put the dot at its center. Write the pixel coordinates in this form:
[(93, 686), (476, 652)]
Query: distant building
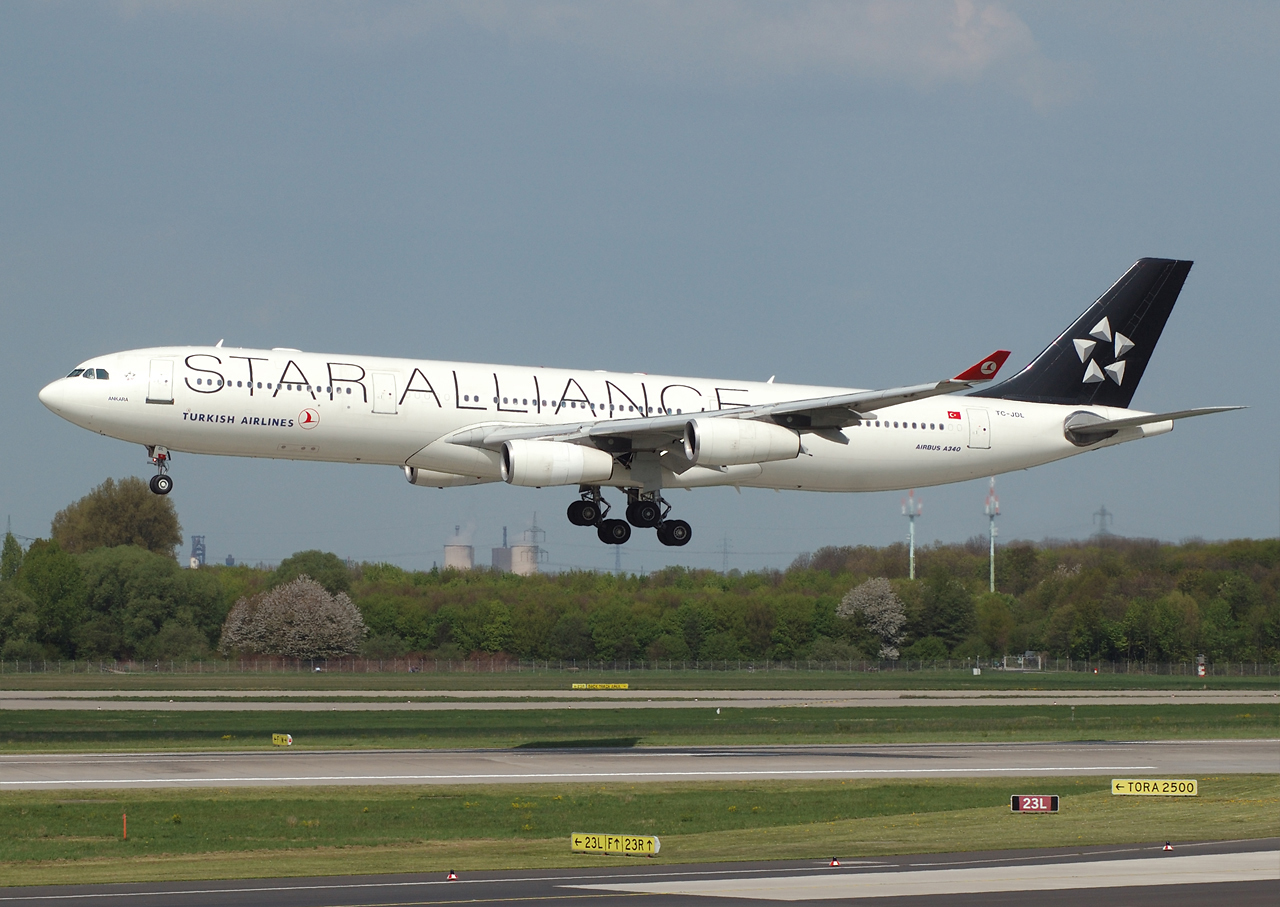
[(459, 557), (521, 559)]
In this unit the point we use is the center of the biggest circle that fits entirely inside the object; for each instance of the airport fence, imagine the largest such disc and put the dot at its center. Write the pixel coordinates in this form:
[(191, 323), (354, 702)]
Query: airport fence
[(499, 664)]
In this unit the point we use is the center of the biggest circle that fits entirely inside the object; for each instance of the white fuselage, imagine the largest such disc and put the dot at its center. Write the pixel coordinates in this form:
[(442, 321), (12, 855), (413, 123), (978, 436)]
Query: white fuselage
[(293, 405)]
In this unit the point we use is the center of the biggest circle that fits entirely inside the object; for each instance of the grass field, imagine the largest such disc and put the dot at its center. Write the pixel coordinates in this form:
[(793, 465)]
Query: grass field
[(47, 837), (526, 679), (92, 731)]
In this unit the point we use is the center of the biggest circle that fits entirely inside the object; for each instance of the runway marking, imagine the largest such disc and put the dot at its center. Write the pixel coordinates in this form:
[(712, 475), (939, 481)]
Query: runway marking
[(1257, 866), (586, 775), (423, 883)]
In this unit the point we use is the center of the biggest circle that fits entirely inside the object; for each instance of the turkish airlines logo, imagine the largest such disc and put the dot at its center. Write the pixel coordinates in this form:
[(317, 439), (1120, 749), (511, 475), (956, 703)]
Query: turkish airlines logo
[(308, 419), (989, 367)]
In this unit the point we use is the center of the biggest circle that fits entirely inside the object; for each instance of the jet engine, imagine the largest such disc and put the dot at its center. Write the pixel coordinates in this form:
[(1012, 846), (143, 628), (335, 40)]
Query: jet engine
[(539, 463), (733, 442)]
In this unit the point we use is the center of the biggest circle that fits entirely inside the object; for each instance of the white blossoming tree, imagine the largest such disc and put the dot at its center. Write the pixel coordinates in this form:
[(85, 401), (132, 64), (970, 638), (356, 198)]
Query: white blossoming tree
[(882, 612), (299, 619)]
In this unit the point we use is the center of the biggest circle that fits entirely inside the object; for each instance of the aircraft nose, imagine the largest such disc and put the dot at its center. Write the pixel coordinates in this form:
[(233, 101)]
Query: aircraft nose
[(54, 395)]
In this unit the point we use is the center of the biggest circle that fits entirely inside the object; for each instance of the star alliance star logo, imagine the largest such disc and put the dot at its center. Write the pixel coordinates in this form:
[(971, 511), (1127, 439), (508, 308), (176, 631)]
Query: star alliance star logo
[(1093, 373)]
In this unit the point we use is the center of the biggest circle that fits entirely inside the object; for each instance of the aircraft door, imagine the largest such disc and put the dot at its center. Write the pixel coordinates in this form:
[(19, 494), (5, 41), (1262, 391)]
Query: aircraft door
[(160, 382), (384, 392), (979, 429)]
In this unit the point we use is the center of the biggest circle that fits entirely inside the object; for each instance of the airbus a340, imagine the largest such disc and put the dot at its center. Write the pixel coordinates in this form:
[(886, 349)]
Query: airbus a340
[(449, 424)]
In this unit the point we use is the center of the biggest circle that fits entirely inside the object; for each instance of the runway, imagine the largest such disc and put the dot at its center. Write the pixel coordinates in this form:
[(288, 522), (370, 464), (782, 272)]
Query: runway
[(289, 768), (502, 700), (1241, 873)]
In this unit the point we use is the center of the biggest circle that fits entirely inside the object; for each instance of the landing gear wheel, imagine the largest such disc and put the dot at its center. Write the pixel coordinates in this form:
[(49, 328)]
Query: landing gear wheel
[(575, 514), (161, 484), (675, 533), (614, 532), (645, 514), (590, 513)]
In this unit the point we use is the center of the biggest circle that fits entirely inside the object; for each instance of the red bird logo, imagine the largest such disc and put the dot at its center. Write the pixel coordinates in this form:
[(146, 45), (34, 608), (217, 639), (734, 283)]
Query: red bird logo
[(308, 418)]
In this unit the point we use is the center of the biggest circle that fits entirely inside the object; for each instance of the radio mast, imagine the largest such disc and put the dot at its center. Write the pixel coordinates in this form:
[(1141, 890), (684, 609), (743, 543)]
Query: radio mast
[(911, 508)]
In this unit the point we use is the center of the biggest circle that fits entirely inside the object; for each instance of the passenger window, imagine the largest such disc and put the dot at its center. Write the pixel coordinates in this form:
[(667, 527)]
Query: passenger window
[(76, 373), (348, 390)]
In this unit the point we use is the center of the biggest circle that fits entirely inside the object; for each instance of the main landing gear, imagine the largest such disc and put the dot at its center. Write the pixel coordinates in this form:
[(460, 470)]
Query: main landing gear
[(161, 482), (645, 510)]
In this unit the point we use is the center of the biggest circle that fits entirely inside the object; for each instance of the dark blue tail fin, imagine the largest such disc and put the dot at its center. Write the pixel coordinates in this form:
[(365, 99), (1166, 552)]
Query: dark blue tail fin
[(1100, 359)]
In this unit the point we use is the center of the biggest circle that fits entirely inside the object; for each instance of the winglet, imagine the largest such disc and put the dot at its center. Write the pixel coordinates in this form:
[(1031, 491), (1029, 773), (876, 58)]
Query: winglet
[(984, 370)]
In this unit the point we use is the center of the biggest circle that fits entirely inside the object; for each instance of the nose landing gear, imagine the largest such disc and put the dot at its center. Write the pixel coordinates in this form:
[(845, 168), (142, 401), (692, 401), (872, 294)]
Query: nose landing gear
[(161, 482)]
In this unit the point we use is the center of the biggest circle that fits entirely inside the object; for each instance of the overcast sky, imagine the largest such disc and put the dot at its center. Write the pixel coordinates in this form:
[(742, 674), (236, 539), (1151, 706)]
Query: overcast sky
[(853, 194)]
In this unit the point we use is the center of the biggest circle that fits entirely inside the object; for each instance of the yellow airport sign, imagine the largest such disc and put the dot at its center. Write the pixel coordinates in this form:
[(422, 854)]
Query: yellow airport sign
[(1155, 787), (601, 686), (282, 739), (624, 845)]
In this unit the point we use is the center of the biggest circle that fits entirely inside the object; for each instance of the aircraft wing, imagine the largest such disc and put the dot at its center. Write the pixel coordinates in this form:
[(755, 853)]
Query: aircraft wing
[(657, 432)]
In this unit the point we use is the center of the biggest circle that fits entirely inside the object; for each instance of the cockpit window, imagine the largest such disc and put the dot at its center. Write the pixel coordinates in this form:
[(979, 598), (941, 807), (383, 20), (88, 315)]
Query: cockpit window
[(102, 374), (75, 373), (88, 373)]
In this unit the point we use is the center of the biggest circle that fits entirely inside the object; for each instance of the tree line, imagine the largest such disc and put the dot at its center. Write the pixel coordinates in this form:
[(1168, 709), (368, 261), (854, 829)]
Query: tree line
[(118, 592)]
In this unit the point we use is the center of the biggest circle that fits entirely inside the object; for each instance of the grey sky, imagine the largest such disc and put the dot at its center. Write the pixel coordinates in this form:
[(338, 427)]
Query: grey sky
[(859, 194)]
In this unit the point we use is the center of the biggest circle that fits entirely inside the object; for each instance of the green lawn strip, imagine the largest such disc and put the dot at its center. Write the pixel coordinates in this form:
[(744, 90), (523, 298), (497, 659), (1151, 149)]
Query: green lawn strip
[(48, 837), (93, 730), (527, 679)]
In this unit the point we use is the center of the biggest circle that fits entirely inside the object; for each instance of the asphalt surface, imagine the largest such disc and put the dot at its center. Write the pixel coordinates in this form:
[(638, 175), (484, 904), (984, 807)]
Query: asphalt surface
[(284, 768), (1240, 874), (490, 700)]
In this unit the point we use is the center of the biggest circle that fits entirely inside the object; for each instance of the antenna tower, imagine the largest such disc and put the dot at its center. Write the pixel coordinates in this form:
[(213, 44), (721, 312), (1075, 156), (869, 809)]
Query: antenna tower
[(992, 511), (1100, 518), (911, 508)]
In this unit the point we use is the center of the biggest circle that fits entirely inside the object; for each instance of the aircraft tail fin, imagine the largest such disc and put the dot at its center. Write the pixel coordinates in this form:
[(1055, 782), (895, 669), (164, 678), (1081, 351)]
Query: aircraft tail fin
[(1100, 358)]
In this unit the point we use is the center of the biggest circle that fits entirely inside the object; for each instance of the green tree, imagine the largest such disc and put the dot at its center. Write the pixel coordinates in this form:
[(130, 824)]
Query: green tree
[(11, 558), (142, 604), (54, 582), (119, 513), (19, 624), (325, 568), (947, 608), (995, 621)]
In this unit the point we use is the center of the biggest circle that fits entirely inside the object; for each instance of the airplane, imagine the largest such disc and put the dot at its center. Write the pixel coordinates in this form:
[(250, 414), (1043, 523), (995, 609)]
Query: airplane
[(450, 424)]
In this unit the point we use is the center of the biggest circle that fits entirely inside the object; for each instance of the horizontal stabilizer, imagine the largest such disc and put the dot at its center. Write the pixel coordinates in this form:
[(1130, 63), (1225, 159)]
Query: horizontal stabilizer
[(1088, 424)]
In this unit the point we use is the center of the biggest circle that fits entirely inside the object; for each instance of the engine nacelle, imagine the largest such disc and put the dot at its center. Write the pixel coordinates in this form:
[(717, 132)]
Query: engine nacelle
[(429, 478), (733, 442), (539, 463)]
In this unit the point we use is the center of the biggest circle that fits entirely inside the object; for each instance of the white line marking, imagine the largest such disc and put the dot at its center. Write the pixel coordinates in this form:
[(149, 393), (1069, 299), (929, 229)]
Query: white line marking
[(1141, 872), (560, 775), (519, 880)]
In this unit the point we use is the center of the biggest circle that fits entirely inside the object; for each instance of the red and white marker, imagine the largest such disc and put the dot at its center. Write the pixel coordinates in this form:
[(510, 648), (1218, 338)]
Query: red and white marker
[(451, 877), (1167, 846), (835, 862)]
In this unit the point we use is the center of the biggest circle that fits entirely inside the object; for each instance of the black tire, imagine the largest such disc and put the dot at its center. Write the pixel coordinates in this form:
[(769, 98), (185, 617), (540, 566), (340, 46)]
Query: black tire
[(590, 513), (614, 532), (645, 514), (678, 532), (161, 484), (576, 516)]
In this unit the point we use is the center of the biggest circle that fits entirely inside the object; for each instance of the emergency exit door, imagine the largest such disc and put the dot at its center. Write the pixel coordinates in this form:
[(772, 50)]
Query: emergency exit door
[(979, 429), (384, 392)]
